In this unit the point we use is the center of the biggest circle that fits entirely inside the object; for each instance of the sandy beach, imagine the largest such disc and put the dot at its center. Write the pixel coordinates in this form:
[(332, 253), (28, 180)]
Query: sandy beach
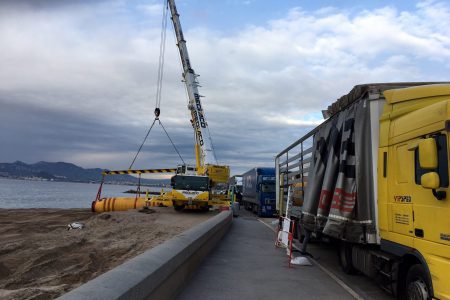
[(41, 259)]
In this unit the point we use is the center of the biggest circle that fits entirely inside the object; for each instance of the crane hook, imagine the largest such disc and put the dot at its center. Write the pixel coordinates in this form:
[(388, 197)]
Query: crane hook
[(157, 112)]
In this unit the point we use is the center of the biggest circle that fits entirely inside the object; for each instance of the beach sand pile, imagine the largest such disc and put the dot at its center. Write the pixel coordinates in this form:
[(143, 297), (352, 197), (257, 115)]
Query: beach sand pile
[(41, 259)]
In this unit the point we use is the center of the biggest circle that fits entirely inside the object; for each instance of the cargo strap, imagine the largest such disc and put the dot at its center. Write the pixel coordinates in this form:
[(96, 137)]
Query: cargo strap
[(157, 112), (99, 193), (138, 190)]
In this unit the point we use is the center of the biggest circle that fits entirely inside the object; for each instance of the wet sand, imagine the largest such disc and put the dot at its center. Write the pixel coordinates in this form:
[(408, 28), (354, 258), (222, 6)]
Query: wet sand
[(41, 259)]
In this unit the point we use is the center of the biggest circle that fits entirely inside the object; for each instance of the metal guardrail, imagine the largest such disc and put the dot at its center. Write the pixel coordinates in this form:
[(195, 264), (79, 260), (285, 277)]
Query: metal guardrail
[(292, 167)]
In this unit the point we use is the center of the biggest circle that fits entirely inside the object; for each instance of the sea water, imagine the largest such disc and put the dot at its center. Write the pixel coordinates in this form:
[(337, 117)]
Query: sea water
[(15, 193)]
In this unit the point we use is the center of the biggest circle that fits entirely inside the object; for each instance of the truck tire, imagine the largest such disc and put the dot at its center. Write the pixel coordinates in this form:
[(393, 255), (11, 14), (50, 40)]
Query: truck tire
[(417, 285), (178, 207), (345, 258)]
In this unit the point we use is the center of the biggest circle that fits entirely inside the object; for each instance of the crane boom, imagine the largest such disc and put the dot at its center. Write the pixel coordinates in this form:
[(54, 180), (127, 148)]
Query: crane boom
[(199, 187), (205, 154)]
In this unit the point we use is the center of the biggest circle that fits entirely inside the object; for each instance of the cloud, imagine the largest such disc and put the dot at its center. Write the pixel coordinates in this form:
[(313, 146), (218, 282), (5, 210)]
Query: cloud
[(77, 82), (152, 9)]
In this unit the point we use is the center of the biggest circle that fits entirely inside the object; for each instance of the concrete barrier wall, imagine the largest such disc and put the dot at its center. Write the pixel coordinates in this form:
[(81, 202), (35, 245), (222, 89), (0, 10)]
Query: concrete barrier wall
[(161, 272)]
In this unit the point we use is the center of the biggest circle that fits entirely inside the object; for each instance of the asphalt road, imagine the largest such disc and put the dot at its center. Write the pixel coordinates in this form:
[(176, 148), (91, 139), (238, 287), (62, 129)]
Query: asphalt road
[(246, 265)]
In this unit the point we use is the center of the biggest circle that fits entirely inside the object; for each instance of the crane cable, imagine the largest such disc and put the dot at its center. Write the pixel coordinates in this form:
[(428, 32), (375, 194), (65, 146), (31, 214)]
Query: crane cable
[(175, 147), (143, 142), (162, 50)]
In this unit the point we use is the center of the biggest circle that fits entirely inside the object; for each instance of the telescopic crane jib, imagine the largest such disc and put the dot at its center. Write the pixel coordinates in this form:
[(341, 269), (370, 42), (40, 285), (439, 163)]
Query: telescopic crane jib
[(195, 105), (206, 161)]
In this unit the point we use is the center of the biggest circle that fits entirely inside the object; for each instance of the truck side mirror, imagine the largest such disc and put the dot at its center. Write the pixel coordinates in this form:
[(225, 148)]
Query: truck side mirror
[(428, 157), (430, 180)]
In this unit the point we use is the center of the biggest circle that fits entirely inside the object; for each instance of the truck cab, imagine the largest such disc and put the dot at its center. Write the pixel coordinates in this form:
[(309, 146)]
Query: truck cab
[(189, 189), (258, 194), (413, 201)]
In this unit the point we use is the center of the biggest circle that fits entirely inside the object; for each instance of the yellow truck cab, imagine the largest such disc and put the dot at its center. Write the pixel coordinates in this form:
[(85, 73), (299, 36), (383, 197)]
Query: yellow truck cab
[(413, 202), (375, 176)]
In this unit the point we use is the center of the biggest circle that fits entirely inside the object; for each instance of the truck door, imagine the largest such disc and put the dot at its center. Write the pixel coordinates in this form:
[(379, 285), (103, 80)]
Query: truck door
[(400, 198), (431, 215)]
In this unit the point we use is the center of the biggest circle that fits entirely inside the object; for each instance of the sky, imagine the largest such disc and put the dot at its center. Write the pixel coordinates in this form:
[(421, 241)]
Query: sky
[(78, 78)]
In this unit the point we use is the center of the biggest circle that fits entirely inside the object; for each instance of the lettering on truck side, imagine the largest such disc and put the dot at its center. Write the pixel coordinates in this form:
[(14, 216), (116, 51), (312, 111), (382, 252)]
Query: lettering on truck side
[(402, 199), (402, 219), (197, 127), (445, 236), (199, 110)]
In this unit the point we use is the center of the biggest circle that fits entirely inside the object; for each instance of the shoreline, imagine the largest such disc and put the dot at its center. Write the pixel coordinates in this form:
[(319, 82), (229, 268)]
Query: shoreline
[(85, 182)]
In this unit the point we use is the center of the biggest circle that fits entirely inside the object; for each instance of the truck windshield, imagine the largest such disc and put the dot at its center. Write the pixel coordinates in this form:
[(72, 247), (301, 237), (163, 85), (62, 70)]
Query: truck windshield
[(193, 183), (268, 187)]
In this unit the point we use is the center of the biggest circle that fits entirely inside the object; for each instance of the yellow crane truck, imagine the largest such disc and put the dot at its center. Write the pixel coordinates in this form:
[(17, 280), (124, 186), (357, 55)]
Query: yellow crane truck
[(193, 187), (204, 185), (376, 177)]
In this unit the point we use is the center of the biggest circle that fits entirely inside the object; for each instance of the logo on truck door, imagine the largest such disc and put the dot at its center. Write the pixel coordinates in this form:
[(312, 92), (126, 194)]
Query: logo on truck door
[(402, 199)]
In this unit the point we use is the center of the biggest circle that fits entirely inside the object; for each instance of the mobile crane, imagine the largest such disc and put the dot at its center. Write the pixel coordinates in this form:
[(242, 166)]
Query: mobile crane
[(190, 183), (193, 187)]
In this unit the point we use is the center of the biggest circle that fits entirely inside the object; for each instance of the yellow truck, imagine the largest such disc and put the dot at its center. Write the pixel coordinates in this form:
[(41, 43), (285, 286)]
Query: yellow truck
[(376, 177)]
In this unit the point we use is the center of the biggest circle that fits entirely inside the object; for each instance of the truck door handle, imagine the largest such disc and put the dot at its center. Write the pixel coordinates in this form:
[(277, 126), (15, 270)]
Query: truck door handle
[(418, 232)]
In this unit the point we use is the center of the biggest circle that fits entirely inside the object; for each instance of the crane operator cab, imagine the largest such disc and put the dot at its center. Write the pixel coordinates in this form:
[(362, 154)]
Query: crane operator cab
[(186, 170), (189, 190), (186, 178), (190, 182)]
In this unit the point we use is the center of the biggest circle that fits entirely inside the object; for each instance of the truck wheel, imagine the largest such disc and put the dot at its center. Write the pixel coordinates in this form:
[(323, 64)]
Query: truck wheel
[(178, 207), (345, 258), (417, 285)]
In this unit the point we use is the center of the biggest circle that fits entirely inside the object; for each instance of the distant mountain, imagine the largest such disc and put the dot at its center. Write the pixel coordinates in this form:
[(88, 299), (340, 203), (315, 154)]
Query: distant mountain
[(62, 171)]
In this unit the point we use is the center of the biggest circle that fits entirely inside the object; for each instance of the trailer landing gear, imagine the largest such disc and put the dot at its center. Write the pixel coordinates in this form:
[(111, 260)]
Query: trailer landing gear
[(345, 258)]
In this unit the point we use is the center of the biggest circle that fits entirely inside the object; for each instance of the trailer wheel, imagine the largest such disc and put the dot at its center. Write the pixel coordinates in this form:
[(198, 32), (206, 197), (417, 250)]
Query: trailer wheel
[(417, 285), (345, 258)]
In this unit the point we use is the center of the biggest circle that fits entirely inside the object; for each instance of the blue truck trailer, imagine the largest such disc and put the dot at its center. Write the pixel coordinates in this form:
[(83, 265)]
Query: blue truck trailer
[(258, 191)]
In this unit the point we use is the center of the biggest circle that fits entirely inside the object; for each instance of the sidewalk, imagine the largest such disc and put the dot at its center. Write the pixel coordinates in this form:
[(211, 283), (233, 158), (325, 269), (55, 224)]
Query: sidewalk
[(246, 265)]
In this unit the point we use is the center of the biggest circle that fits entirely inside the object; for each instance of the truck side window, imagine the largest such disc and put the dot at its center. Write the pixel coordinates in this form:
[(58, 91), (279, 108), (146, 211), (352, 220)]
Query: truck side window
[(442, 169)]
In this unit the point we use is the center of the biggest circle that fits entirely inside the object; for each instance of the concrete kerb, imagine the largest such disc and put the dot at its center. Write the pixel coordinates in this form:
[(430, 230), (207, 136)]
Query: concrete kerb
[(161, 272)]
